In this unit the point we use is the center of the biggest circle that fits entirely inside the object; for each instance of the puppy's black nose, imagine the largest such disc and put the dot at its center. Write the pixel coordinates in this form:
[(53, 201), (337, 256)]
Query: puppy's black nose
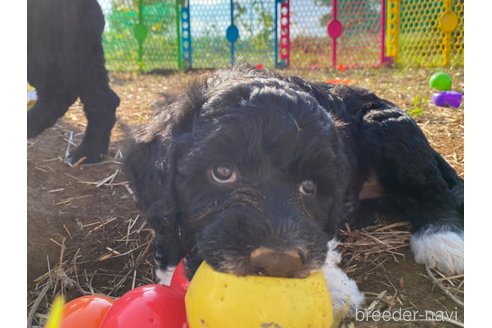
[(274, 263)]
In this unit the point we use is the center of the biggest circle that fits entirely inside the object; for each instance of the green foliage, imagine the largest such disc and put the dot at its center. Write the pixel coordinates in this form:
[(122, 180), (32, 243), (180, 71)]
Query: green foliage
[(257, 22), (416, 110)]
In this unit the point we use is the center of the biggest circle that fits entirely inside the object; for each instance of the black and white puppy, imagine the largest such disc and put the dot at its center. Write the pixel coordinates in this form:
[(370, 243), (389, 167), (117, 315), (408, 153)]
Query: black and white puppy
[(254, 173)]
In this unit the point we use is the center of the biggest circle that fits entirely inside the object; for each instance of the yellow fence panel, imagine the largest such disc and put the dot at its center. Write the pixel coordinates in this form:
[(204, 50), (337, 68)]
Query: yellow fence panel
[(425, 32)]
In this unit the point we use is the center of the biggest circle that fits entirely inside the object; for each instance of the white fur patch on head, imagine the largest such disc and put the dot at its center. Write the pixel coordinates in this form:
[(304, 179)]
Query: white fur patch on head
[(442, 250), (164, 276), (345, 295)]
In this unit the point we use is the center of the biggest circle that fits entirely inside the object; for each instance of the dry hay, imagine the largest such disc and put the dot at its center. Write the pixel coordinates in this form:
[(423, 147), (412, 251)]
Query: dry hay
[(83, 267), (371, 247), (366, 251), (131, 240)]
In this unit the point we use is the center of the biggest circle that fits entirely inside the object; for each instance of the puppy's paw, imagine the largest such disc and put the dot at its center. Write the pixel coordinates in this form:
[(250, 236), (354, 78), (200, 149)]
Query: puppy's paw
[(345, 295), (89, 154), (442, 250), (164, 276)]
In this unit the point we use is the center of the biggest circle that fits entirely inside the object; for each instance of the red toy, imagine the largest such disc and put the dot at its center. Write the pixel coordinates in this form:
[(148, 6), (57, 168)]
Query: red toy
[(179, 280), (148, 306), (340, 81), (86, 311), (341, 67)]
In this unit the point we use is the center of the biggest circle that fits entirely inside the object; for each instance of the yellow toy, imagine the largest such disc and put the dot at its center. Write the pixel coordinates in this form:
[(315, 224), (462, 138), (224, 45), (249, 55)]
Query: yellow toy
[(55, 317), (220, 300)]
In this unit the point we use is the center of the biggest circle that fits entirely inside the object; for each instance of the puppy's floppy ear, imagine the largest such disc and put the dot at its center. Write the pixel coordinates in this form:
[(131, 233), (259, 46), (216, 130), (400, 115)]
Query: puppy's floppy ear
[(150, 165), (342, 201), (150, 169)]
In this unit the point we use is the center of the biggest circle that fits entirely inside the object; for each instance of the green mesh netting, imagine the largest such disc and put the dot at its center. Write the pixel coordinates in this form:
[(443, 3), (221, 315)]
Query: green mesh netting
[(140, 34)]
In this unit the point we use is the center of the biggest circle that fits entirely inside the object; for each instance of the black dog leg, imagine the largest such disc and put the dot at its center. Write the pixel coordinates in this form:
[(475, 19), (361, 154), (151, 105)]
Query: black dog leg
[(100, 102), (52, 104), (419, 185), (168, 253), (99, 107)]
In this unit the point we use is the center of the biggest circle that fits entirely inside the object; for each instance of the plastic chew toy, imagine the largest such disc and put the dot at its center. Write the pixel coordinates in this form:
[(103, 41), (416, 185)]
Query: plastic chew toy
[(179, 281), (148, 306), (441, 81), (340, 81), (220, 300), (447, 99), (211, 300), (86, 311), (55, 316), (82, 312)]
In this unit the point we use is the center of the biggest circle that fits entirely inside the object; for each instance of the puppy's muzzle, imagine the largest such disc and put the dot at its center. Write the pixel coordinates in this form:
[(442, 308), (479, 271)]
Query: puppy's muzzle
[(274, 263)]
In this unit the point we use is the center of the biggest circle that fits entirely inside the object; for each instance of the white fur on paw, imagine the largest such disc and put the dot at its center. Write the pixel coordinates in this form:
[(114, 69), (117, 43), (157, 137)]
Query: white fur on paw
[(345, 295), (164, 276), (442, 250)]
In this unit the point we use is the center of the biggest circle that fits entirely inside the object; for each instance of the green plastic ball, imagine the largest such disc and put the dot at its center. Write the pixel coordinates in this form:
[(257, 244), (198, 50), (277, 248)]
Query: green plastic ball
[(440, 81)]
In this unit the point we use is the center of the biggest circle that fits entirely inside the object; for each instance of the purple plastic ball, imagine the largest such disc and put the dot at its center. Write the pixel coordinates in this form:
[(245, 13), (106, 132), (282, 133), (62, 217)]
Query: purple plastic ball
[(447, 99)]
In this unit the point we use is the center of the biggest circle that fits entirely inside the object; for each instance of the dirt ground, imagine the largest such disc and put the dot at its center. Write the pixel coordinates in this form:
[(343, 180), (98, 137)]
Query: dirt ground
[(85, 234)]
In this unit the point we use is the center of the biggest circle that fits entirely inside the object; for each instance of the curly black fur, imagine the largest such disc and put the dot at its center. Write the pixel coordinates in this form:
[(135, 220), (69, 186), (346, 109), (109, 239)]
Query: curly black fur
[(65, 60), (277, 132)]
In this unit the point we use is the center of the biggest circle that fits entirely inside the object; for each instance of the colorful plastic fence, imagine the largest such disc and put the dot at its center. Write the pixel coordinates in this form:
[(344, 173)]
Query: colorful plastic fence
[(140, 34), (426, 32), (224, 30), (151, 35), (337, 33)]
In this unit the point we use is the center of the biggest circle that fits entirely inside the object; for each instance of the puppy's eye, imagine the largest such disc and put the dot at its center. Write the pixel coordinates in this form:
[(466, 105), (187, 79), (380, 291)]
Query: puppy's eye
[(223, 173), (308, 188)]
